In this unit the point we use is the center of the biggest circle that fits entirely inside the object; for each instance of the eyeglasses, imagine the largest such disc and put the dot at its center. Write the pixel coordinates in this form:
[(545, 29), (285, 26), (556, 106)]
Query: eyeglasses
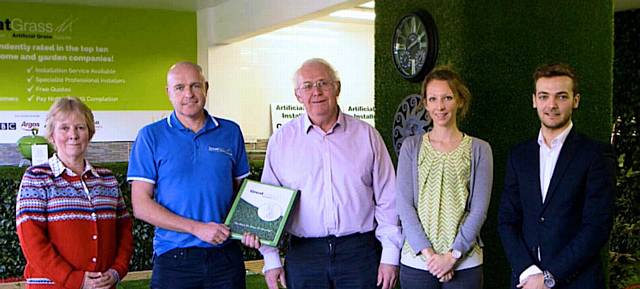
[(322, 84)]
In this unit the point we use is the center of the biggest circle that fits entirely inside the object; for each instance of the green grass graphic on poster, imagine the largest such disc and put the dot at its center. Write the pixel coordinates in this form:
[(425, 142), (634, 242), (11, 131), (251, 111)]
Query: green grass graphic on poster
[(112, 58), (265, 230)]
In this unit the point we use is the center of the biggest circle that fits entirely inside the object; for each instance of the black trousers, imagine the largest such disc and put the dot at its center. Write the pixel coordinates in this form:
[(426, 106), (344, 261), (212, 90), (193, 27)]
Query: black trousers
[(348, 262), (199, 268)]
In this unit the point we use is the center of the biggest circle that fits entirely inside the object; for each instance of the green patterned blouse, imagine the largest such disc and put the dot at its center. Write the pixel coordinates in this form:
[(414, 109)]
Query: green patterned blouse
[(443, 182)]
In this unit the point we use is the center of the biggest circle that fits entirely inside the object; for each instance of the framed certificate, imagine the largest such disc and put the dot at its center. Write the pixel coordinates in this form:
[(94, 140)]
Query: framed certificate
[(261, 209)]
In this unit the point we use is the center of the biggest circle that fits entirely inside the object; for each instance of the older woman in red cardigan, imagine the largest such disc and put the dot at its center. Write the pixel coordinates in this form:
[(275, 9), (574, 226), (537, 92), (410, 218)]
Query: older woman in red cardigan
[(71, 219)]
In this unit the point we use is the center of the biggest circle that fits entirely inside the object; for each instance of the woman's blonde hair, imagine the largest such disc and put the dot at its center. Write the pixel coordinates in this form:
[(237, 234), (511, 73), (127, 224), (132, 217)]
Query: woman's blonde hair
[(64, 106), (459, 89)]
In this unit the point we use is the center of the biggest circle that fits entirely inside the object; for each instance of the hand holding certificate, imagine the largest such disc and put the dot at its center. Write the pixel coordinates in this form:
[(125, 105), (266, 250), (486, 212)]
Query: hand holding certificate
[(261, 209)]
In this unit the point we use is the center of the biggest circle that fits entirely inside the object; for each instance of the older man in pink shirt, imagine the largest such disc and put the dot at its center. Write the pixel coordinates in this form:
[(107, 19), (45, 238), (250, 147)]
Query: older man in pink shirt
[(347, 199)]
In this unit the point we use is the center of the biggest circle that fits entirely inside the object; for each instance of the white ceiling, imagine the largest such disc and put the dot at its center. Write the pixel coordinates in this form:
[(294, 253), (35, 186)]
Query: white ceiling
[(194, 5)]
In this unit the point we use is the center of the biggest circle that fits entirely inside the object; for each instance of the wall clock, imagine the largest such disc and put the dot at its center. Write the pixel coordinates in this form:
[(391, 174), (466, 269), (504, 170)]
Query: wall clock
[(415, 45)]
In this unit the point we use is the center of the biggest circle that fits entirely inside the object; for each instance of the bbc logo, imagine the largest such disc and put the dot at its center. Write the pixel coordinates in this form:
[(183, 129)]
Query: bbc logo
[(8, 126)]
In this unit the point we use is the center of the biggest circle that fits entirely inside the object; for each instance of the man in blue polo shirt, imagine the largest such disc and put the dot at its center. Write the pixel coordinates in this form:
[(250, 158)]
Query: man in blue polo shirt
[(184, 171)]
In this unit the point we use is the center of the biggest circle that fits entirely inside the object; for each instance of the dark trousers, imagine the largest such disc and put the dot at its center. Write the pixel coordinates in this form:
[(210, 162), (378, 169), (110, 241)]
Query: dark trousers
[(199, 268), (333, 262), (412, 278)]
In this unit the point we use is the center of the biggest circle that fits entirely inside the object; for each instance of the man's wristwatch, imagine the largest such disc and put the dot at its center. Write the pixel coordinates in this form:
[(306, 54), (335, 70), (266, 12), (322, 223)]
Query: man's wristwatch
[(549, 281)]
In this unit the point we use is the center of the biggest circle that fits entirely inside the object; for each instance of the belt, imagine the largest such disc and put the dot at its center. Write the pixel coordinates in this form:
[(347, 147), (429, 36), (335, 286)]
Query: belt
[(333, 237), (331, 242)]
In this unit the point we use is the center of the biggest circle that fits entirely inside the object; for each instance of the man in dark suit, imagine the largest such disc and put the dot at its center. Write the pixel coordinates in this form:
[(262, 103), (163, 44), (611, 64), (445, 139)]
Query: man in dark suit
[(556, 209)]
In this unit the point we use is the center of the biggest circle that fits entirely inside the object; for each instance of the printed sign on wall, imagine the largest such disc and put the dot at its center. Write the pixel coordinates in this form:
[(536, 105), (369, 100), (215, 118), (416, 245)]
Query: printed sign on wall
[(281, 113), (113, 59)]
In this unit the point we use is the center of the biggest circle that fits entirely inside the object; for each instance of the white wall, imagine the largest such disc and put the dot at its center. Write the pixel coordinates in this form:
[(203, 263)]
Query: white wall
[(234, 20), (249, 75)]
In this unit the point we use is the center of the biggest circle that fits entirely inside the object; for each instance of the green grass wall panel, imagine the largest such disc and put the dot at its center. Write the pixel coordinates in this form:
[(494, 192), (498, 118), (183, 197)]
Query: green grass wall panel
[(496, 45)]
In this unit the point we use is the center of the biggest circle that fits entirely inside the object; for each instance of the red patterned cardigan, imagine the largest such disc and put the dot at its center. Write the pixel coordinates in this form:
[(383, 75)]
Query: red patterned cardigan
[(68, 224)]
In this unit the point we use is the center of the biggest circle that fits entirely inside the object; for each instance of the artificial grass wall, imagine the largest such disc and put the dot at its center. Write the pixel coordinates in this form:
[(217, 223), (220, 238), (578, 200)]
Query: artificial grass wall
[(496, 45), (11, 260), (625, 237)]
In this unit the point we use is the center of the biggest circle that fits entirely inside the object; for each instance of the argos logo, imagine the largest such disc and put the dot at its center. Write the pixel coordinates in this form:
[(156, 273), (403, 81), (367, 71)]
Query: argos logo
[(28, 126)]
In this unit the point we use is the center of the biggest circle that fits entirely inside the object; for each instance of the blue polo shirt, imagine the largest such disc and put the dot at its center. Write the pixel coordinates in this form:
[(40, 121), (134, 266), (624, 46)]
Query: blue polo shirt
[(193, 172)]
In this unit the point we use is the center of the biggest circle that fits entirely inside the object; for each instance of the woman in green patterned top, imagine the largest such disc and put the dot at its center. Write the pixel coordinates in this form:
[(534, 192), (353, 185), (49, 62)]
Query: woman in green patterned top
[(444, 180)]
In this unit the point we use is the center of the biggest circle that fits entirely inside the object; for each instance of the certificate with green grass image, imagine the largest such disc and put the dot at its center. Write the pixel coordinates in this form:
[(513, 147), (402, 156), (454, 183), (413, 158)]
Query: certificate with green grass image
[(261, 209)]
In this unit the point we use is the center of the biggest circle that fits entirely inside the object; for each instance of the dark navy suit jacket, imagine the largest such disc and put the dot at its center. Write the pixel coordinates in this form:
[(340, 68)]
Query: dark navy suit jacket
[(572, 225)]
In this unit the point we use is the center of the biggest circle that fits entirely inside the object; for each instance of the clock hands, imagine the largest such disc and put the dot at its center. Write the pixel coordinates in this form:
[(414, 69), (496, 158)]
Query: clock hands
[(414, 45)]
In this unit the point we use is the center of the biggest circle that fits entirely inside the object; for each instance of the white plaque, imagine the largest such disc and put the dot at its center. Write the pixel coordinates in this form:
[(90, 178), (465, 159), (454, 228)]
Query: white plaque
[(39, 154)]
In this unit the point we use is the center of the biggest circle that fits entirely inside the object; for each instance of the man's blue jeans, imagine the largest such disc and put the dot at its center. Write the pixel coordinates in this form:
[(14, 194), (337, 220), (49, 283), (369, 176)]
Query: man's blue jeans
[(333, 262), (194, 267)]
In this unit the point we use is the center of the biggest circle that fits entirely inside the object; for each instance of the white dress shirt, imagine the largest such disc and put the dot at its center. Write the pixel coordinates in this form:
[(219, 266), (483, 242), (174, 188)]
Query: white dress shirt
[(549, 153)]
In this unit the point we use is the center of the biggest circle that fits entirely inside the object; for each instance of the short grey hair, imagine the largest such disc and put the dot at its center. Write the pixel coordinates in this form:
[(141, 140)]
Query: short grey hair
[(332, 72), (186, 63)]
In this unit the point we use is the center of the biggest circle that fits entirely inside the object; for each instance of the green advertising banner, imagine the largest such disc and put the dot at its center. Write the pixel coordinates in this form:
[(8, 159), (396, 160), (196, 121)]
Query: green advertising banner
[(112, 58)]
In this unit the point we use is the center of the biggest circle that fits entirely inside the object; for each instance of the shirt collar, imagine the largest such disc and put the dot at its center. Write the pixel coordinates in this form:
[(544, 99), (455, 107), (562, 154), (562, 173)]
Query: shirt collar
[(173, 121), (57, 167), (307, 125), (559, 140)]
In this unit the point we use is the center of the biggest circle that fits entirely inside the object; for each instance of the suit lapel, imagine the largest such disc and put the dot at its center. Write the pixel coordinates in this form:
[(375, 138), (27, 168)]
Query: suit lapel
[(533, 159), (566, 154)]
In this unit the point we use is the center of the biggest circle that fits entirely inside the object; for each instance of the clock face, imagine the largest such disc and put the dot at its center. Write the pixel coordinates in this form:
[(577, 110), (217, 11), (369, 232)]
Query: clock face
[(415, 45)]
